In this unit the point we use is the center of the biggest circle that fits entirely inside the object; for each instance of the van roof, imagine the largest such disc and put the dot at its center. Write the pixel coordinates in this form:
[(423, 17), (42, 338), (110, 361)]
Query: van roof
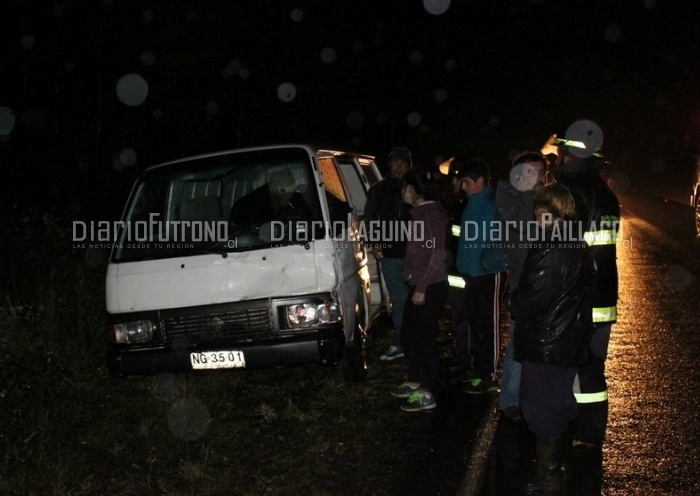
[(310, 147)]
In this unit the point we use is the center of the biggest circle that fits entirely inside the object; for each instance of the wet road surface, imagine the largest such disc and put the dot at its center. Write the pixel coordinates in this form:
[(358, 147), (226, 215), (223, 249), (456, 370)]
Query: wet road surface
[(653, 437)]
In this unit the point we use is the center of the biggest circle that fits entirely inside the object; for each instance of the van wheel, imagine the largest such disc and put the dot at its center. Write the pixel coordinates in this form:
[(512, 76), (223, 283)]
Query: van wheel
[(355, 363)]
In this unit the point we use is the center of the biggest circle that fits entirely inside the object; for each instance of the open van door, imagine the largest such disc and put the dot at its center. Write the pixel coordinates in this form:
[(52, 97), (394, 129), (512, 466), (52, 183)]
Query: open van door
[(360, 172)]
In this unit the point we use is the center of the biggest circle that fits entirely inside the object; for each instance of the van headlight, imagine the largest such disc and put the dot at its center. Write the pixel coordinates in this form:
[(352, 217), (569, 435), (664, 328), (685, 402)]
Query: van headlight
[(308, 314), (138, 331)]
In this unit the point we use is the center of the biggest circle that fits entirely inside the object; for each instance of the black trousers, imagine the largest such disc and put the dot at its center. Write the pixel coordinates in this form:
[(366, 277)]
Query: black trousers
[(460, 320), (483, 306), (419, 335), (547, 398), (592, 391)]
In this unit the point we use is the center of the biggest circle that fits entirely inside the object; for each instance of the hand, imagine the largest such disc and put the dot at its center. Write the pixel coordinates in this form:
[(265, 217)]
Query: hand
[(418, 298)]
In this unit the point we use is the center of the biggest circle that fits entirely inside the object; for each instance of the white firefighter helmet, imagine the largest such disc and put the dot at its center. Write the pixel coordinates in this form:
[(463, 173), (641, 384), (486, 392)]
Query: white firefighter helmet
[(582, 138)]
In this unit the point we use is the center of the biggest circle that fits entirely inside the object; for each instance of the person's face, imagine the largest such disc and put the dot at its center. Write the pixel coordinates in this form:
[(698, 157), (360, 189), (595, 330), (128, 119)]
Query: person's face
[(543, 217), (397, 168), (472, 187), (408, 194), (533, 173)]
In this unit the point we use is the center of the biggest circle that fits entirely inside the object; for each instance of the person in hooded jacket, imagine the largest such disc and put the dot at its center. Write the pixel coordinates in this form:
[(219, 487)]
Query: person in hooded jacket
[(552, 311), (425, 273), (514, 211), (385, 205)]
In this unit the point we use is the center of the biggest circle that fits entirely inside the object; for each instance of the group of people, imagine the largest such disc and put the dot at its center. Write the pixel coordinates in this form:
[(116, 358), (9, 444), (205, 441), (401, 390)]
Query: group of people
[(477, 251)]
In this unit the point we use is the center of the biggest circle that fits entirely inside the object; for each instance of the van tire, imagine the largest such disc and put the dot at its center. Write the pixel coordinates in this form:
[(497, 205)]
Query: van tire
[(355, 364)]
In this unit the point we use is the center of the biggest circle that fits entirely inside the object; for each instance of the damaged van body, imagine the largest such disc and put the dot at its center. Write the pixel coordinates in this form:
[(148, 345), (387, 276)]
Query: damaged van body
[(244, 259)]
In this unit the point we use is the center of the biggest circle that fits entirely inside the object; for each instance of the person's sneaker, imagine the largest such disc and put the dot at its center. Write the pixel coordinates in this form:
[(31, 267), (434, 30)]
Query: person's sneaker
[(480, 386), (420, 400), (403, 391), (392, 353)]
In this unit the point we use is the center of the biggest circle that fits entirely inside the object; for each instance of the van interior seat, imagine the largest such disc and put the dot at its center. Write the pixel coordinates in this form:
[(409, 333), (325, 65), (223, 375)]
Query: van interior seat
[(203, 208)]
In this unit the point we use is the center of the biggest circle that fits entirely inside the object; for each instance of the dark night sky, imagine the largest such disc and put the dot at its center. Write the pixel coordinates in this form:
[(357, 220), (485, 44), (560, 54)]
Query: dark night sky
[(484, 78)]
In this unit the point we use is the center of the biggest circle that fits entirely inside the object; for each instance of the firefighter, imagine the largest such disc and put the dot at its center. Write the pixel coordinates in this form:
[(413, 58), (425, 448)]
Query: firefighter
[(578, 167)]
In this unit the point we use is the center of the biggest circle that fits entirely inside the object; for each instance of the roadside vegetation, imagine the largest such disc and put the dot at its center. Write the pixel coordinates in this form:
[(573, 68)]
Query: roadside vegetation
[(68, 428)]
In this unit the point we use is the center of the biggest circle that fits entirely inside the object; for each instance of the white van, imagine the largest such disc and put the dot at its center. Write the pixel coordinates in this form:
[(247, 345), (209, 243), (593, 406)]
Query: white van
[(244, 259)]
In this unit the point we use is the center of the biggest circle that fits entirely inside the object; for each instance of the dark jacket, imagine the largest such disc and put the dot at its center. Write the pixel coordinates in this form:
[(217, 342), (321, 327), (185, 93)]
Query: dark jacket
[(426, 254), (384, 204), (514, 211), (599, 210), (551, 304), (478, 254)]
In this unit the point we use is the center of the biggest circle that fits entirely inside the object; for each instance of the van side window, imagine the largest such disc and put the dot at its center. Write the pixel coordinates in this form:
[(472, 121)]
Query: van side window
[(338, 205), (357, 190)]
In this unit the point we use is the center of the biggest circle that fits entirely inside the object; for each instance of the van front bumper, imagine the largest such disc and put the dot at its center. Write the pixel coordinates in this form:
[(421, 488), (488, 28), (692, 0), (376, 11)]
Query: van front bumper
[(323, 346)]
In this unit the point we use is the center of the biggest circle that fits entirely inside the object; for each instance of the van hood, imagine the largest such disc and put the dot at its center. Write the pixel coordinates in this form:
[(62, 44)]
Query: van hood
[(211, 279)]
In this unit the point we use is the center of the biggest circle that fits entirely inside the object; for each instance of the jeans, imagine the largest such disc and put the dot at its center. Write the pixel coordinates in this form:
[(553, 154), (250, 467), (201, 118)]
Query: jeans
[(510, 382), (392, 270)]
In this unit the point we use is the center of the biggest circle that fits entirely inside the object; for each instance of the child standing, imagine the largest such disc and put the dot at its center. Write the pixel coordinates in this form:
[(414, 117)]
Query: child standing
[(481, 261), (552, 311), (425, 273)]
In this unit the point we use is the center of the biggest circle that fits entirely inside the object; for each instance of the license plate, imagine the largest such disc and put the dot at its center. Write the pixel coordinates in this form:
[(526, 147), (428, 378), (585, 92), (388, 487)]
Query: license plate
[(217, 360)]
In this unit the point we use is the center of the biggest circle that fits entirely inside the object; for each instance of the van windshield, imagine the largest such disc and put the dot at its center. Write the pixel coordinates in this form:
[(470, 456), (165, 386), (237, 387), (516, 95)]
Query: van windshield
[(219, 204)]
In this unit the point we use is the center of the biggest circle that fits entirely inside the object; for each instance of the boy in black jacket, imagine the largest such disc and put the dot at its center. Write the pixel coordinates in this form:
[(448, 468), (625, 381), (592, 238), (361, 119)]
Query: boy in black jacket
[(552, 310)]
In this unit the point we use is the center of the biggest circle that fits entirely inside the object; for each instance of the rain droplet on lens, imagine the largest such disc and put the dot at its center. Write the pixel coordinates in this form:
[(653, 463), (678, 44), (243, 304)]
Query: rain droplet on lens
[(416, 57), (7, 121), (128, 157), (440, 95), (286, 92), (148, 58), (297, 15), (27, 41), (677, 278), (132, 90), (328, 55), (413, 119), (436, 7)]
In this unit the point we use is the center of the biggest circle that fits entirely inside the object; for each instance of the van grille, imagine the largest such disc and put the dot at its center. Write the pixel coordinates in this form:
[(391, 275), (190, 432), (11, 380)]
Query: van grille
[(225, 326)]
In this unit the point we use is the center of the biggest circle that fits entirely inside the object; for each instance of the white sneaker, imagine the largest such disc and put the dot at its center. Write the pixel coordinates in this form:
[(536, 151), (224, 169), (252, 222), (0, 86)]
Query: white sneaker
[(392, 353)]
